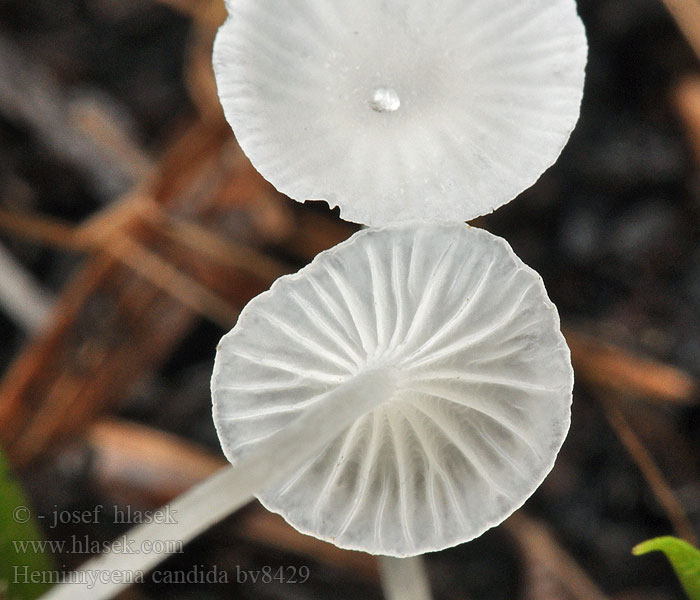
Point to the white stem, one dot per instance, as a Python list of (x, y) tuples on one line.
[(404, 578), (104, 576), (190, 514)]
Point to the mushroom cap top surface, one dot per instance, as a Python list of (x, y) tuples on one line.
[(396, 110), (480, 396)]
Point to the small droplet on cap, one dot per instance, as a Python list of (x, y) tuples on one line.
[(385, 100)]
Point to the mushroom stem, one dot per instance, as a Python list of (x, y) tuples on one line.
[(404, 578), (229, 489), (193, 512)]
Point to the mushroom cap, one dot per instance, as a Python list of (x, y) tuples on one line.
[(480, 405), (399, 110)]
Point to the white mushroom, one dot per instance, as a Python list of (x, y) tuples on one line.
[(404, 392), (399, 110), (474, 398)]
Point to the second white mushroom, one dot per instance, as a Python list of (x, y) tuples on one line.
[(458, 387)]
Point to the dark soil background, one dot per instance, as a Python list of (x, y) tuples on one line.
[(613, 228)]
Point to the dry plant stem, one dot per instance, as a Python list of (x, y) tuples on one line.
[(404, 578), (232, 487), (132, 253), (613, 368), (539, 545), (180, 286), (687, 16), (58, 234), (686, 98), (43, 230), (209, 14), (135, 464), (651, 472)]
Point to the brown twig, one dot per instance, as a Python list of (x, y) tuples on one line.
[(112, 325), (686, 13), (114, 220), (144, 465), (540, 546), (613, 368), (18, 388), (94, 234), (208, 13), (51, 232), (686, 98), (106, 232), (199, 75), (651, 472), (179, 285), (225, 251)]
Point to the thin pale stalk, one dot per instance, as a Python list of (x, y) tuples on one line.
[(229, 489), (404, 578)]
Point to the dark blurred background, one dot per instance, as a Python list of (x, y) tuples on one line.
[(133, 230)]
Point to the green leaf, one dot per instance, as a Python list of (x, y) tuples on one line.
[(684, 558), (17, 525)]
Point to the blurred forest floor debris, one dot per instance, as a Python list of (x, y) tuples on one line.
[(133, 230)]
